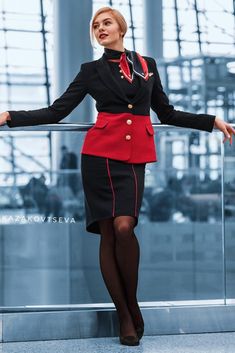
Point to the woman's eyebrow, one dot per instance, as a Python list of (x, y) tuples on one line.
[(108, 18)]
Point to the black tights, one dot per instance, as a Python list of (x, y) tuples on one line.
[(119, 262)]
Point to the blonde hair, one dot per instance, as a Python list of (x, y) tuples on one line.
[(117, 16)]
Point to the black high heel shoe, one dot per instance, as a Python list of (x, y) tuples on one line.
[(129, 340)]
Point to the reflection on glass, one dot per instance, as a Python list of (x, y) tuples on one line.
[(49, 258)]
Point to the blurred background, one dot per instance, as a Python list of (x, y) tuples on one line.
[(186, 228)]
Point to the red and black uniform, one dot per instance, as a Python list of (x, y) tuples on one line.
[(121, 142), (111, 186)]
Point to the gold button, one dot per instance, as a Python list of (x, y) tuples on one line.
[(128, 137), (130, 106), (129, 121)]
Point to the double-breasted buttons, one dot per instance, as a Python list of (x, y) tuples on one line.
[(129, 121), (130, 106), (128, 137), (122, 76)]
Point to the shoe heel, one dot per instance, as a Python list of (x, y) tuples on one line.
[(140, 332), (129, 340)]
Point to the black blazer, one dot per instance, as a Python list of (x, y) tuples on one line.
[(95, 78)]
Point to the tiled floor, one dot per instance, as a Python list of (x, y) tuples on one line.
[(183, 343)]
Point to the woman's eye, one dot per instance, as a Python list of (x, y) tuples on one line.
[(96, 26)]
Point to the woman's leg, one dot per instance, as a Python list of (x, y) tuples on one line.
[(127, 254), (112, 279)]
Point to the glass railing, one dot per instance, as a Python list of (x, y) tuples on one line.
[(186, 228), (48, 196)]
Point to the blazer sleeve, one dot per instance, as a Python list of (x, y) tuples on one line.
[(168, 115), (58, 110)]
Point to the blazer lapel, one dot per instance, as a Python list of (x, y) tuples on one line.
[(109, 81)]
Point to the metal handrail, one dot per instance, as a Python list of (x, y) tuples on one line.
[(82, 127)]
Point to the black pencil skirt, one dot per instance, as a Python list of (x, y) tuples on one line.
[(111, 188)]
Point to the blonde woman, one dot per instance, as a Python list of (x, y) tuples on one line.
[(116, 149)]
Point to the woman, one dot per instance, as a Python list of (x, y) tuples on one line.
[(115, 151)]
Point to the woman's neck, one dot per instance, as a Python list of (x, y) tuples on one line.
[(117, 48)]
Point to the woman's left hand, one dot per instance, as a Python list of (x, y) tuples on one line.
[(226, 128)]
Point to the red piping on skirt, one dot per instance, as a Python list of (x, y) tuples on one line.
[(110, 179), (136, 193)]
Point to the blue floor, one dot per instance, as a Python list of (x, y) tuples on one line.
[(183, 343)]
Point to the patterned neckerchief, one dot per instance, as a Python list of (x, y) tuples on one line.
[(138, 63)]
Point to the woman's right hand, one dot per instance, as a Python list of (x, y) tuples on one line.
[(4, 117)]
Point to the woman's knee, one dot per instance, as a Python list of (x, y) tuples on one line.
[(123, 227)]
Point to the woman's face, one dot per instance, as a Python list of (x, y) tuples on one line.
[(106, 30)]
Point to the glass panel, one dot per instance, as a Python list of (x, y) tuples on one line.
[(49, 258), (229, 219), (42, 230), (181, 239)]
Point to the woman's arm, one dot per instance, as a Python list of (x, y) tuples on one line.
[(57, 111), (168, 115)]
